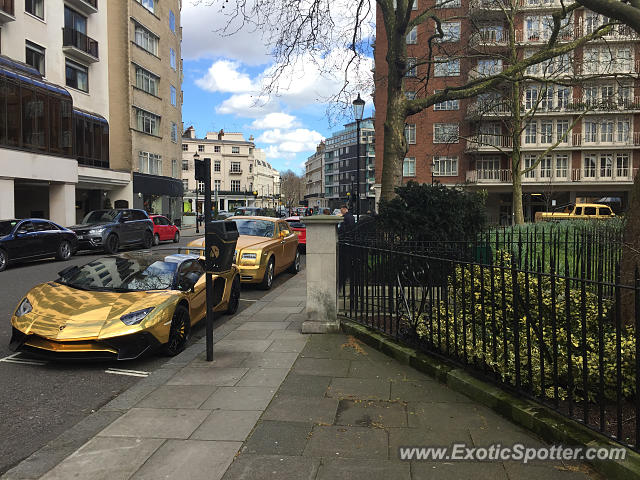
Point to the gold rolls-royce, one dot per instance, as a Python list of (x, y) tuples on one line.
[(120, 306), (266, 247)]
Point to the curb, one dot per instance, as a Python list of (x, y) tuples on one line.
[(543, 421)]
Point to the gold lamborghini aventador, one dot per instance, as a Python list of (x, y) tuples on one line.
[(266, 246), (120, 306)]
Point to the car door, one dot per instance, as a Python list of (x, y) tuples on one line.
[(165, 229), (26, 242), (124, 227), (142, 223), (290, 244), (47, 237), (197, 298)]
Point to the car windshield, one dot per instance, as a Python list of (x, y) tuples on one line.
[(122, 274), (6, 227), (256, 228), (100, 216)]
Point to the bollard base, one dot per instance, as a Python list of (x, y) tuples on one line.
[(320, 327)]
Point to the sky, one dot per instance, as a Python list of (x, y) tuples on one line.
[(223, 79)]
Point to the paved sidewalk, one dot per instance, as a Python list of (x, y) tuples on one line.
[(276, 404)]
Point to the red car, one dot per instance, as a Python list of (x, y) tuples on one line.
[(301, 229), (163, 229)]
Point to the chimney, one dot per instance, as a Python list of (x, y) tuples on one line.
[(190, 133), (221, 134)]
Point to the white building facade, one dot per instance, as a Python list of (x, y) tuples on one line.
[(314, 179), (54, 112)]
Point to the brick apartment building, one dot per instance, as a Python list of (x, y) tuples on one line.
[(452, 143)]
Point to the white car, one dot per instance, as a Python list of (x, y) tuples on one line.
[(336, 212)]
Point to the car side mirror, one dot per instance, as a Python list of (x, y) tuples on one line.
[(284, 233), (188, 281)]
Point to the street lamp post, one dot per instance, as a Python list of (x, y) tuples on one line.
[(358, 110), (196, 157)]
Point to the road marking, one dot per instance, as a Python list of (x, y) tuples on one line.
[(131, 373), (248, 300), (13, 359)]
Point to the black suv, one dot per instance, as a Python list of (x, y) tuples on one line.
[(110, 229)]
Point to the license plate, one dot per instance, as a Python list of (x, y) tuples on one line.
[(80, 237)]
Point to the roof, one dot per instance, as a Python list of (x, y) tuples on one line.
[(271, 219)]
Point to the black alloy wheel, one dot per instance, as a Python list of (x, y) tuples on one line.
[(4, 260), (179, 331), (176, 237), (234, 296), (156, 239), (111, 243), (64, 250), (295, 266), (267, 280), (147, 241)]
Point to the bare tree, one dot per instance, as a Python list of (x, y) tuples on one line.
[(291, 188), (311, 31)]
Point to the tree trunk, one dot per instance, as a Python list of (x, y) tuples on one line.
[(395, 149), (631, 253), (518, 216)]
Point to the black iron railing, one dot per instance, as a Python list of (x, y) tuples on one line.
[(548, 318), (73, 38)]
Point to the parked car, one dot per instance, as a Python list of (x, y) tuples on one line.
[(33, 238), (164, 229), (301, 229), (336, 211), (582, 211), (266, 247), (112, 229), (255, 212), (148, 301)]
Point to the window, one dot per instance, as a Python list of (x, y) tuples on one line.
[(235, 185), (250, 169), (147, 122), (446, 67), (410, 95), (451, 31), (412, 36), (200, 148), (448, 3), (590, 165), (216, 185), (546, 163), (34, 56), (185, 147), (172, 21), (623, 131), (235, 149), (412, 69), (546, 99), (147, 81), (200, 187), (606, 131), (185, 184), (216, 148), (409, 167), (445, 133), (35, 7), (590, 131), (217, 166), (562, 165), (146, 40), (529, 162), (74, 21), (148, 4), (546, 131), (174, 132), (622, 164), (77, 76), (172, 58), (150, 163), (489, 66), (174, 95), (445, 166), (447, 105), (235, 167), (562, 96), (562, 126), (606, 164), (410, 133), (185, 165), (531, 97), (174, 169), (491, 33), (530, 132)]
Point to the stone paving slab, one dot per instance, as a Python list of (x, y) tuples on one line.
[(177, 396), (287, 345), (242, 345), (264, 326), (221, 377), (270, 467), (271, 360), (305, 385), (106, 459), (221, 359), (248, 335), (263, 377), (278, 438), (425, 391), (361, 388), (371, 413), (302, 409), (321, 366), (156, 423), (369, 469), (240, 398), (189, 459), (347, 442), (458, 471), (231, 425)]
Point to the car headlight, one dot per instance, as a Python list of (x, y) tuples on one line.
[(24, 308), (249, 256), (134, 318), (96, 231)]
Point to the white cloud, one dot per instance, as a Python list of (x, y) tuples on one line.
[(292, 141), (275, 120), (224, 76), (246, 105)]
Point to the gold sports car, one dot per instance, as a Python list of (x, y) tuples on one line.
[(120, 306), (266, 246)]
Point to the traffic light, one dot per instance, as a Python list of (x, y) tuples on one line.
[(201, 172)]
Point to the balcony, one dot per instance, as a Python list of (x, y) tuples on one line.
[(609, 141), (617, 66), (490, 38), (613, 174), (558, 175), (488, 109), (566, 34), (495, 6), (620, 33), (78, 45), (87, 7), (7, 12), (539, 4), (488, 143), (235, 171)]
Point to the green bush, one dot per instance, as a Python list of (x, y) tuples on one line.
[(482, 313)]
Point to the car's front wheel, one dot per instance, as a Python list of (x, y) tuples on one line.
[(111, 243), (234, 296), (295, 266), (176, 237), (64, 250), (4, 260), (147, 240), (269, 272), (179, 331), (156, 239)]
